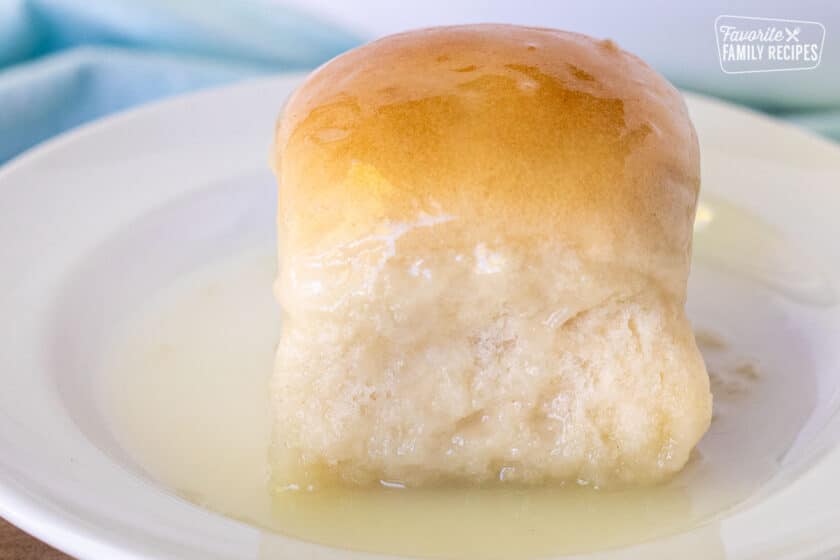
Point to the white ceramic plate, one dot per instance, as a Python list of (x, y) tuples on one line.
[(92, 219)]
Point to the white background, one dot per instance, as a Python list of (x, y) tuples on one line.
[(677, 38)]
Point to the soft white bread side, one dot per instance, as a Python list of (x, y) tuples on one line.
[(485, 237)]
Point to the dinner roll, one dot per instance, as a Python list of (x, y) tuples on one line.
[(484, 241)]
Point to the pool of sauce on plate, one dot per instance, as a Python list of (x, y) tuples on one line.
[(742, 243), (185, 390)]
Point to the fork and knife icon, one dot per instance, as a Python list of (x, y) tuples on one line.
[(792, 34)]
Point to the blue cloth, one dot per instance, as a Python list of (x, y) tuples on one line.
[(65, 62)]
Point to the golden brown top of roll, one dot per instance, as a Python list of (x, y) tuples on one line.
[(514, 134)]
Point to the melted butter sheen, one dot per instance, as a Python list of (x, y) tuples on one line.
[(186, 394), (449, 147), (575, 139), (742, 243), (513, 140)]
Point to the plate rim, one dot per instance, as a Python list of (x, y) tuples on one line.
[(27, 509)]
